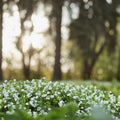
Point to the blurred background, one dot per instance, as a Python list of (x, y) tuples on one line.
[(60, 39)]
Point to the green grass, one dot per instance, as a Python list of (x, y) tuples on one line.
[(113, 86)]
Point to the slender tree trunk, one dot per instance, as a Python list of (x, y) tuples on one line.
[(26, 68), (118, 69), (57, 74), (26, 72), (1, 21), (88, 64), (87, 70)]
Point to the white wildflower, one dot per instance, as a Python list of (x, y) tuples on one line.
[(61, 103), (34, 114), (52, 96), (75, 97), (44, 95), (10, 112)]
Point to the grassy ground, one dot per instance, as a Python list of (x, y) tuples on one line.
[(113, 86)]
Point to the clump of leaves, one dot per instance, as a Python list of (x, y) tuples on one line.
[(67, 112)]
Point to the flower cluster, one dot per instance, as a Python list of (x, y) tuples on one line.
[(38, 97)]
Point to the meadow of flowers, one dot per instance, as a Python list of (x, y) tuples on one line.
[(37, 97)]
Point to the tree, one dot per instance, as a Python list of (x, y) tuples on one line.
[(55, 17), (1, 22), (26, 58), (26, 9), (118, 69), (57, 8), (93, 31)]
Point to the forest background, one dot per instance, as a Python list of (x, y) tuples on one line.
[(60, 39)]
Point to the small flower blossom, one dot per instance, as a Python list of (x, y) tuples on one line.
[(10, 112), (44, 95), (61, 103)]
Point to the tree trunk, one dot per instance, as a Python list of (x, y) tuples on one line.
[(88, 64), (118, 70), (1, 22), (26, 68), (57, 74), (26, 72), (87, 70)]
